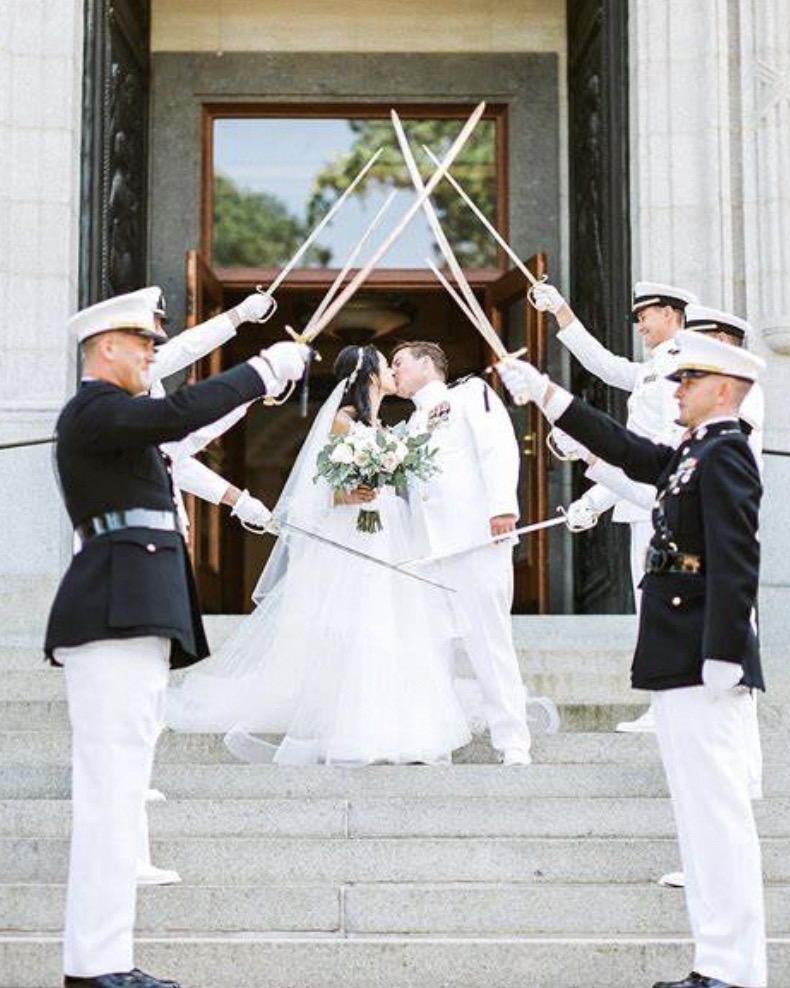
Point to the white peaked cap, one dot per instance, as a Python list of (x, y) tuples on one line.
[(653, 293), (132, 311), (703, 319), (154, 296), (697, 351)]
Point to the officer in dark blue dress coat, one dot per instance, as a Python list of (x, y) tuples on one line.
[(126, 608), (697, 647)]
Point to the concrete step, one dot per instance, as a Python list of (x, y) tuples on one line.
[(449, 910), (266, 860), (25, 715), (54, 747), (270, 961), (211, 861), (360, 817), (223, 782), (586, 683)]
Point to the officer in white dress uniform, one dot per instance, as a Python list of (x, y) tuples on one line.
[(474, 496), (697, 649), (658, 311), (126, 608), (180, 352)]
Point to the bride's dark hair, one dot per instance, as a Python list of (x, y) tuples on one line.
[(359, 364)]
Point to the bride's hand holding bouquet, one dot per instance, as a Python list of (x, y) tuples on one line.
[(361, 461)]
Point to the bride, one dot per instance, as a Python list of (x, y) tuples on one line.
[(350, 663)]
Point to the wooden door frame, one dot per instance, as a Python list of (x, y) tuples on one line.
[(510, 288)]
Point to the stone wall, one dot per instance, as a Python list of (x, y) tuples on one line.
[(40, 107)]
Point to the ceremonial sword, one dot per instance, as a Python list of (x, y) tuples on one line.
[(473, 307), (493, 231), (351, 288), (317, 230), (341, 547), (469, 305), (516, 533)]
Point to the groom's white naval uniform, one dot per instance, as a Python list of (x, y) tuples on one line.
[(479, 459)]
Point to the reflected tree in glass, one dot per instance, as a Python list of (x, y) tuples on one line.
[(256, 229), (475, 169)]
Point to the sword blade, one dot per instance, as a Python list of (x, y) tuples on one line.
[(452, 292), (341, 547), (486, 222), (516, 533), (317, 230), (481, 320), (407, 217), (343, 273)]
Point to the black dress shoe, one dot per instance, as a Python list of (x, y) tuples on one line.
[(149, 981), (694, 980), (122, 979)]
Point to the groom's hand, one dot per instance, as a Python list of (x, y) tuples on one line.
[(502, 524)]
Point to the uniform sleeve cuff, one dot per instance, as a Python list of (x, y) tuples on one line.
[(558, 404)]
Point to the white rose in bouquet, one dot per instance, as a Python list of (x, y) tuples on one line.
[(390, 461), (362, 457), (342, 453)]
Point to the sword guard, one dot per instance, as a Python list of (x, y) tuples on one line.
[(305, 341), (531, 291), (508, 356), (270, 400), (272, 308), (557, 452)]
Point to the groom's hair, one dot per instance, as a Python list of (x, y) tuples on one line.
[(424, 348)]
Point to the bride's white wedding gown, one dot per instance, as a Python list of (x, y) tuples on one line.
[(349, 662)]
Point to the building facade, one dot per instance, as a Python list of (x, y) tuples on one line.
[(638, 140)]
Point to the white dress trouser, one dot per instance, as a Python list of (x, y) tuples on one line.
[(707, 767), (484, 596), (116, 692)]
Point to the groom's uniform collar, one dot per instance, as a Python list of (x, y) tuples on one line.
[(430, 394)]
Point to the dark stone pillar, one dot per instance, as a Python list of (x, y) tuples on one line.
[(600, 255), (114, 148)]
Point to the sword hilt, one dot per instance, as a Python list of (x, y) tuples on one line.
[(531, 290), (513, 356), (508, 356), (305, 340)]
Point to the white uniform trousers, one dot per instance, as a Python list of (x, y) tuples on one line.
[(116, 693), (707, 767), (483, 598)]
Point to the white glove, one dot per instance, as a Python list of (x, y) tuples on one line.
[(720, 677), (254, 308), (251, 511), (566, 447), (547, 298), (523, 381), (580, 516), (287, 360)]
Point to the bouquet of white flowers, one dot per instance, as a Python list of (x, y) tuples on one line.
[(374, 456)]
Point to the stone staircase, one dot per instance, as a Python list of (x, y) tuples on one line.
[(390, 877)]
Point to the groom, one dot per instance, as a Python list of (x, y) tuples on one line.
[(472, 498)]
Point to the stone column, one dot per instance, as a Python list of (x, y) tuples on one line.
[(765, 85), (680, 146), (40, 112)]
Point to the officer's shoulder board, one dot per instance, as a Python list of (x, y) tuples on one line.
[(469, 379)]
